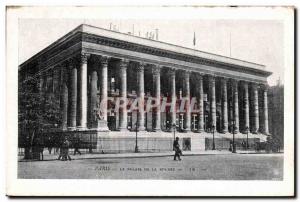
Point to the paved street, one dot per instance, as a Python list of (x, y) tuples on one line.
[(217, 167)]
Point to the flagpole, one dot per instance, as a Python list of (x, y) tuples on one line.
[(230, 42), (194, 42)]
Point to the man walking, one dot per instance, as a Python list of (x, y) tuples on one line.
[(76, 146), (177, 149)]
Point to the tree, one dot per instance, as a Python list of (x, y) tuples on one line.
[(38, 112)]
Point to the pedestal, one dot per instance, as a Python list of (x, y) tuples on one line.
[(101, 125)]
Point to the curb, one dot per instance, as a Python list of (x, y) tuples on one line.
[(146, 156)]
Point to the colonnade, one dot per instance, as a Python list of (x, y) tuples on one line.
[(75, 100)]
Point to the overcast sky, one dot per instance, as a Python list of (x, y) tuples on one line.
[(258, 41)]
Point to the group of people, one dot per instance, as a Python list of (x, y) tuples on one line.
[(64, 150)]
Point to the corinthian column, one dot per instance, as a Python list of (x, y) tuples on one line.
[(104, 77), (141, 91), (123, 117), (201, 104), (236, 105), (187, 95), (93, 98), (224, 105), (173, 94), (246, 102), (83, 92), (212, 87), (156, 74), (64, 99), (73, 95), (266, 118), (256, 112)]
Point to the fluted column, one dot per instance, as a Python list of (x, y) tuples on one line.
[(236, 106), (212, 87), (266, 118), (187, 95), (224, 105), (156, 74), (123, 117), (201, 104), (141, 91), (173, 94), (73, 96), (93, 98), (256, 110), (104, 87), (64, 100), (246, 105), (83, 92)]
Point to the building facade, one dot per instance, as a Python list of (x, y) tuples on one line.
[(91, 70)]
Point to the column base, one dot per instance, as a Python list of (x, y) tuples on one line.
[(236, 131), (81, 128), (224, 131), (64, 128), (142, 129), (157, 129), (71, 128), (123, 129)]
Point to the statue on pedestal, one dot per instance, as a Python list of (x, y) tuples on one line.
[(99, 118)]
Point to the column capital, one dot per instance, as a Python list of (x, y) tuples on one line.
[(255, 85), (223, 78), (141, 67), (156, 70), (187, 73), (211, 78), (171, 72), (264, 86), (124, 63), (71, 62), (245, 84), (104, 60), (84, 58)]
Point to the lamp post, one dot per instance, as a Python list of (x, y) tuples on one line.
[(136, 150), (174, 129), (213, 131), (247, 143), (233, 132)]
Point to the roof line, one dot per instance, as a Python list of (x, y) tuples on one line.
[(174, 45), (79, 28)]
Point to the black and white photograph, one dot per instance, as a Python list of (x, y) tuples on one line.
[(151, 96)]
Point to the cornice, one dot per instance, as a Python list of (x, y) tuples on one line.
[(101, 40)]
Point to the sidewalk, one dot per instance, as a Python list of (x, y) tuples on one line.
[(52, 157)]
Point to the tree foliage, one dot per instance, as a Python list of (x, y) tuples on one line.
[(38, 112)]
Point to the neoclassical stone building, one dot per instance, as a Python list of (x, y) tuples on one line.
[(90, 65)]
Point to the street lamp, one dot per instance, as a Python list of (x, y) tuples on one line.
[(213, 131), (136, 150), (247, 143), (174, 129), (233, 132)]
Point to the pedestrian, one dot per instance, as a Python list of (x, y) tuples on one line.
[(177, 149), (65, 150), (77, 145), (244, 145), (59, 143)]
